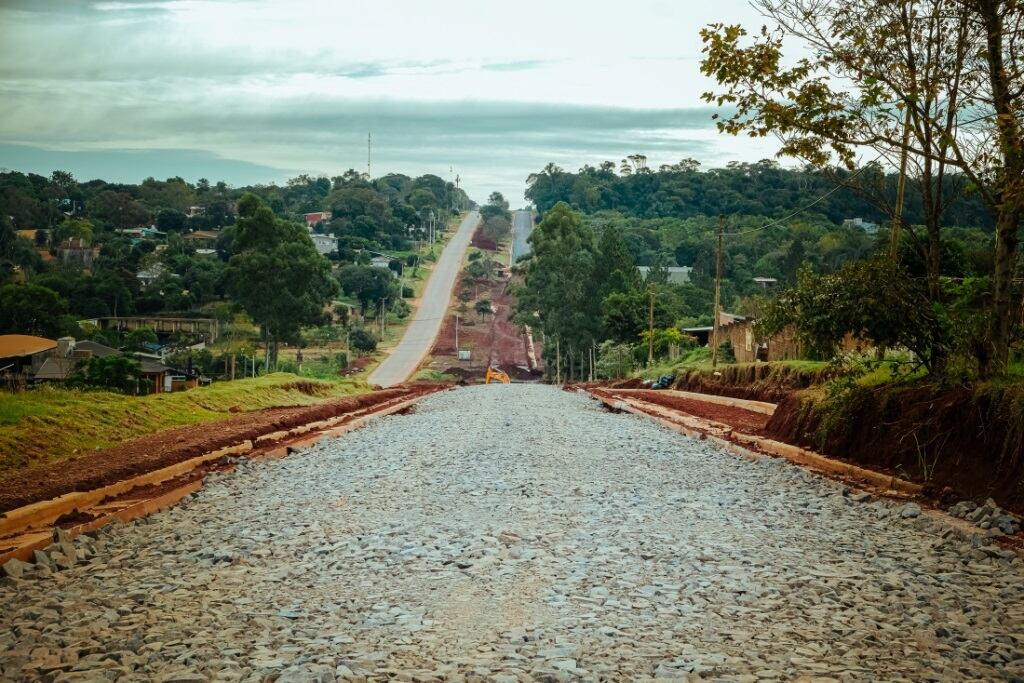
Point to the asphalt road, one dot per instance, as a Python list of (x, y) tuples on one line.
[(426, 322), (522, 226)]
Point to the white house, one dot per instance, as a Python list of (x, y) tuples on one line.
[(867, 226), (677, 274), (325, 244)]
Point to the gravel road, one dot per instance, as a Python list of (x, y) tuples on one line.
[(513, 533)]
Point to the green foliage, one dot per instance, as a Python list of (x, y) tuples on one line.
[(560, 287), (114, 373), (363, 341), (30, 309), (483, 307), (614, 361), (277, 276), (136, 340), (370, 285), (871, 300)]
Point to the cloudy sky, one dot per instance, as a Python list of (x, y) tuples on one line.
[(261, 90)]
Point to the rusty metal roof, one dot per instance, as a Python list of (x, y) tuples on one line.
[(15, 345)]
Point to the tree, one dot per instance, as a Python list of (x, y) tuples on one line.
[(114, 372), (940, 82), (363, 341), (559, 288), (137, 339), (370, 285), (483, 308), (30, 309), (496, 207), (277, 275), (171, 220), (497, 228), (872, 300)]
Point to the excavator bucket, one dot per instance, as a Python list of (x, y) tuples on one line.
[(495, 375)]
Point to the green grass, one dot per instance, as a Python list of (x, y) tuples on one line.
[(52, 424), (700, 359), (430, 375)]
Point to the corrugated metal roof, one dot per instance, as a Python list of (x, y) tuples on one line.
[(56, 369), (15, 345)]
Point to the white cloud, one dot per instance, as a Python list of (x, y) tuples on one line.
[(498, 89)]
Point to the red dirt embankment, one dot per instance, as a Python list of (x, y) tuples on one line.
[(740, 419), (494, 340), (958, 442), (162, 449)]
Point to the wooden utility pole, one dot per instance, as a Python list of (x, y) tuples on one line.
[(718, 293), (650, 326), (558, 361), (901, 183)]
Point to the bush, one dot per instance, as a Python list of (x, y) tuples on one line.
[(407, 292), (363, 341), (115, 373)]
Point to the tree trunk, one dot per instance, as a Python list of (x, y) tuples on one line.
[(1009, 183), (1002, 293)]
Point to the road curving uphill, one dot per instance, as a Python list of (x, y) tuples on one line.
[(516, 533)]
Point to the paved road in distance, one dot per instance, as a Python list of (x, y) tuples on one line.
[(426, 322)]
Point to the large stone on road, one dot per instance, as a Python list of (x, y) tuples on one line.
[(517, 533)]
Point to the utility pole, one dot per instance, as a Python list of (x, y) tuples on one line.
[(650, 326), (897, 218), (456, 335), (369, 155), (718, 293), (558, 361)]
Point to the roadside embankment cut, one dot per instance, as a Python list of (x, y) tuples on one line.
[(56, 424), (152, 452), (959, 443)]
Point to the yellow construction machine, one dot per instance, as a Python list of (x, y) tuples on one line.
[(495, 375)]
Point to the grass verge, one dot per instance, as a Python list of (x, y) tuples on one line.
[(52, 424)]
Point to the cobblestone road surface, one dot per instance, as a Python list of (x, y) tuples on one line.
[(514, 533)]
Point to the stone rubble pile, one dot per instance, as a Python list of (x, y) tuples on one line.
[(987, 516), (518, 533)]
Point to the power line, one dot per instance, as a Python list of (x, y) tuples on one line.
[(805, 207)]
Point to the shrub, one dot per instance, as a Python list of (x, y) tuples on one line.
[(363, 341)]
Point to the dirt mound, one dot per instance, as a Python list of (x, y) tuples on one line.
[(155, 451), (960, 443), (757, 382)]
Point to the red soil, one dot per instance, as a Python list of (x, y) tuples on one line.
[(494, 340), (740, 419)]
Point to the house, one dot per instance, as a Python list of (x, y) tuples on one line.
[(194, 211), (202, 238), (676, 274), (77, 251), (315, 218), (147, 276), (206, 252), (703, 333), (34, 236), (69, 354), (144, 233), (382, 262), (766, 282), (21, 356), (861, 224), (325, 244)]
